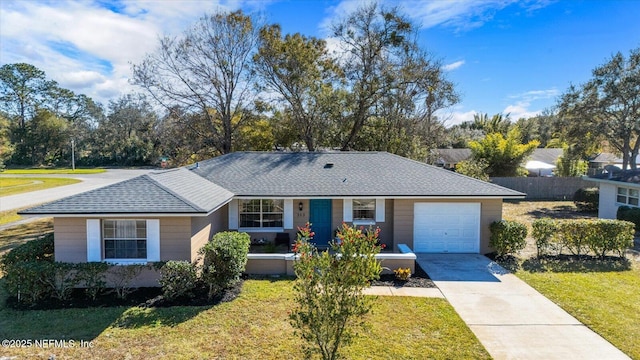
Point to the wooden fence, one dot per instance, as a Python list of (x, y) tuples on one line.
[(545, 188)]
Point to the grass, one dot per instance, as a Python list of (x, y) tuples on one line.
[(602, 294), (38, 171), (20, 234), (254, 326), (13, 186), (9, 216)]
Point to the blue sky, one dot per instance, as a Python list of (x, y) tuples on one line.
[(505, 56)]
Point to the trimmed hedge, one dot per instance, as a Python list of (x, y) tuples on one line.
[(34, 250), (582, 236), (587, 199), (178, 278), (631, 214), (32, 276), (507, 237), (223, 260)]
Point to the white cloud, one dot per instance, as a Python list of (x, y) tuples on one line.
[(461, 15), (523, 103), (456, 117), (90, 49), (520, 110), (453, 66)]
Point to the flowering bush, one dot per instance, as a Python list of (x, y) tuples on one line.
[(402, 274), (328, 288)]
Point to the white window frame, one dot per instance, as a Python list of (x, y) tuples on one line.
[(287, 204), (126, 260), (347, 212), (624, 194), (363, 221)]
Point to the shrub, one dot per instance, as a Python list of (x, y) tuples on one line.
[(402, 274), (583, 236), (25, 281), (328, 288), (34, 250), (178, 278), (587, 199), (122, 276), (25, 269), (631, 214), (91, 276), (543, 232), (224, 259), (60, 278), (507, 237)]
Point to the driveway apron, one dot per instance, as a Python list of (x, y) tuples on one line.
[(510, 318)]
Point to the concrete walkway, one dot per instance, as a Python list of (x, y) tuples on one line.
[(403, 291), (511, 319)]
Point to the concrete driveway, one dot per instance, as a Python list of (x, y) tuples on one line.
[(89, 182), (509, 317)]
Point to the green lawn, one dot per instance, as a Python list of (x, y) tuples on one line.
[(603, 295), (254, 326), (20, 234), (13, 186), (38, 171)]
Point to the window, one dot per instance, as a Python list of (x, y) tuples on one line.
[(628, 196), (261, 213), (125, 239), (364, 210)]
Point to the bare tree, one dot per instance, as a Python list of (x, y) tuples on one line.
[(609, 105), (206, 72)]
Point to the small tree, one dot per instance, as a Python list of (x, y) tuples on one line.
[(504, 155), (224, 259), (328, 290)]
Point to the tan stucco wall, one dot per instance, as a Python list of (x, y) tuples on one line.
[(386, 227), (491, 210), (175, 234), (70, 239), (203, 229)]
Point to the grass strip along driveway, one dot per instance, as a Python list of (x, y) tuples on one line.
[(253, 326), (602, 294), (13, 186)]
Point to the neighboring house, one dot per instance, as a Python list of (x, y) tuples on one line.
[(541, 163), (603, 160), (171, 214), (619, 189)]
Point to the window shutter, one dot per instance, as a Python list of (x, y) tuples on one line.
[(94, 243), (379, 210), (233, 214), (347, 210), (153, 240), (288, 213)]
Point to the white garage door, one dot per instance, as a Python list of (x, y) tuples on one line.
[(446, 227)]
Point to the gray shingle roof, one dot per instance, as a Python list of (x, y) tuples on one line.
[(173, 191), (352, 174), (214, 182)]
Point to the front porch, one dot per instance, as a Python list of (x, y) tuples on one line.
[(281, 263)]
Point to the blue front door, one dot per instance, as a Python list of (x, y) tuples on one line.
[(320, 219)]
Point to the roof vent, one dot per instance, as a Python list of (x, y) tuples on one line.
[(328, 165)]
